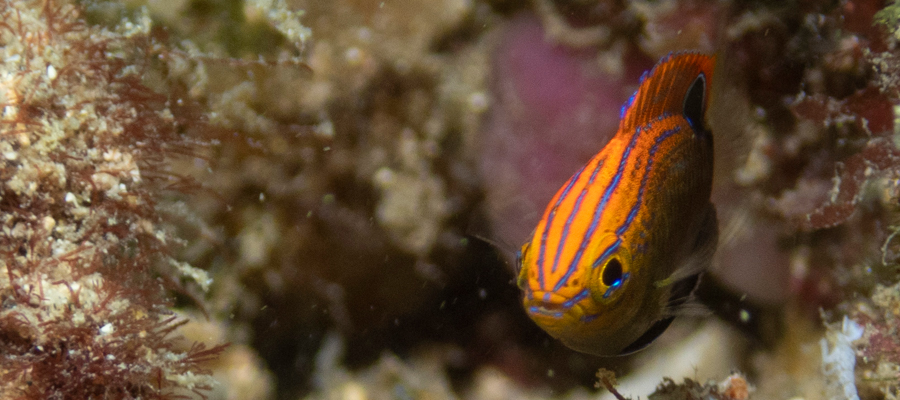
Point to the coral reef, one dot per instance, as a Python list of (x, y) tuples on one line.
[(85, 256), (312, 175), (734, 387), (344, 192)]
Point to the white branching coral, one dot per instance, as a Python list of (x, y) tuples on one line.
[(83, 150)]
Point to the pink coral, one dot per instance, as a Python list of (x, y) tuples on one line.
[(554, 108)]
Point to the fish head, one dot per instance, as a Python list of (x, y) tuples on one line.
[(596, 308)]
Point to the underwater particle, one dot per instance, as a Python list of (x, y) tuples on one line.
[(839, 359)]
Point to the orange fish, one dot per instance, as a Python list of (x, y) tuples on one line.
[(623, 242)]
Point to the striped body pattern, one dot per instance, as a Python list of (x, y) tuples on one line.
[(622, 243)]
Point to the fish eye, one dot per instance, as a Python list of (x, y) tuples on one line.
[(612, 273), (694, 103), (610, 270)]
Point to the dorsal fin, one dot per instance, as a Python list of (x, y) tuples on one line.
[(669, 88)]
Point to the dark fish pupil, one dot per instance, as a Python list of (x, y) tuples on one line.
[(693, 103), (612, 274)]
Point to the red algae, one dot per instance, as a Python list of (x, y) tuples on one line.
[(86, 256), (359, 145)]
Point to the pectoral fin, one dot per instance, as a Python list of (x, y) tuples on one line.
[(701, 253), (649, 336)]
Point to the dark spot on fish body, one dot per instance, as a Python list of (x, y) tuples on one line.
[(695, 104)]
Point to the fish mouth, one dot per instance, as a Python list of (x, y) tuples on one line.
[(544, 305), (547, 310), (550, 309)]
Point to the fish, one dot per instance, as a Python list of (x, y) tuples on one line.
[(622, 244)]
